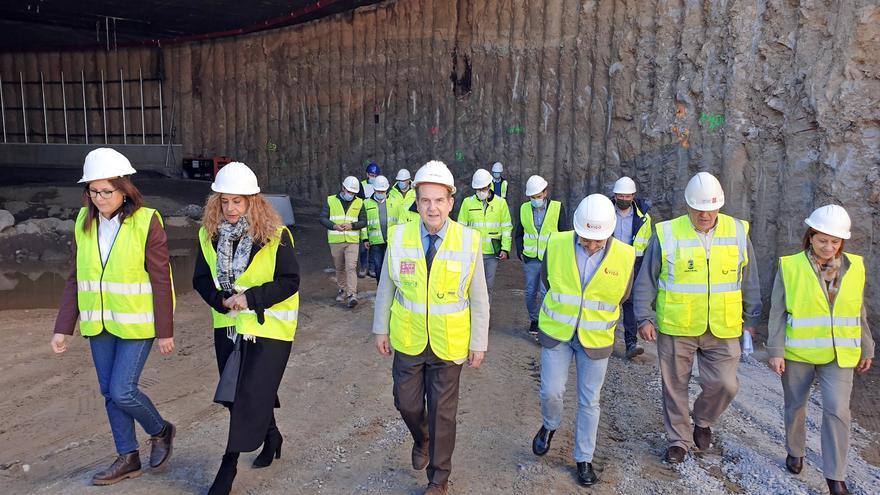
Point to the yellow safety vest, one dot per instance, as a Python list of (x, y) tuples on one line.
[(695, 293), (493, 222), (504, 185), (117, 296), (406, 200), (339, 216), (640, 240), (280, 319), (404, 215), (432, 309), (815, 333), (534, 242), (595, 309), (373, 232)]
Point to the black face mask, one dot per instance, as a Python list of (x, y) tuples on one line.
[(623, 203)]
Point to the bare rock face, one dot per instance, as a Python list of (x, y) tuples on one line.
[(6, 220)]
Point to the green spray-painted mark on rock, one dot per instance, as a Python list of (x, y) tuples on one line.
[(515, 130), (459, 155), (712, 121)]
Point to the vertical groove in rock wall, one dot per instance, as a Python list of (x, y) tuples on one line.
[(780, 99)]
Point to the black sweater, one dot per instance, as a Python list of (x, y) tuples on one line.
[(259, 298)]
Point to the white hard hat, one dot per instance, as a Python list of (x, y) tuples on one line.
[(435, 172), (482, 178), (105, 163), (704, 193), (351, 184), (403, 174), (595, 218), (235, 178), (535, 185), (497, 167), (380, 183), (830, 219), (624, 185)]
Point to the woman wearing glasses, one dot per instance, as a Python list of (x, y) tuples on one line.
[(120, 289), (246, 271)]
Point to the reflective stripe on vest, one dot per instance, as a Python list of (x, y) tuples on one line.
[(643, 236), (117, 296), (339, 217), (432, 308), (281, 319), (493, 222), (535, 244), (815, 333), (696, 294), (595, 309), (374, 222)]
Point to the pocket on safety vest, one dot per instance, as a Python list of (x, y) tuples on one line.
[(678, 310), (733, 308), (451, 281)]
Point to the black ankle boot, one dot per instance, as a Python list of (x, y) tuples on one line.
[(222, 484), (271, 449)]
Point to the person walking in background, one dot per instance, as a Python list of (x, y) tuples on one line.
[(488, 214), (343, 217), (818, 330), (539, 218), (120, 289), (499, 183), (380, 210), (246, 271), (634, 228), (365, 263)]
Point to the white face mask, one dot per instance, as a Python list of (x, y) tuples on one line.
[(370, 180), (379, 196), (402, 185), (537, 203), (482, 195), (347, 196), (497, 175)]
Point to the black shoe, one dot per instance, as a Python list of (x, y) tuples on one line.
[(125, 466), (162, 444), (541, 442), (533, 329), (271, 449), (222, 484), (675, 455), (702, 437), (586, 475), (794, 464), (836, 487), (351, 302), (634, 351)]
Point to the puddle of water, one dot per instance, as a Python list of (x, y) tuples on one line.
[(41, 286)]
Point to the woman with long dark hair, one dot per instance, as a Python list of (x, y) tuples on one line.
[(120, 289), (246, 271)]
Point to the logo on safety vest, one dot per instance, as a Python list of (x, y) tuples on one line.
[(690, 267), (407, 267), (613, 273)]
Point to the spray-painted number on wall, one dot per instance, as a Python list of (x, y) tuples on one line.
[(515, 130), (713, 121)]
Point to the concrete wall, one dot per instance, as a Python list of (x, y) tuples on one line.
[(780, 99)]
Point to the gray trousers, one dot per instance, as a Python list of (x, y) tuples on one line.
[(718, 361), (428, 380), (490, 265), (835, 384)]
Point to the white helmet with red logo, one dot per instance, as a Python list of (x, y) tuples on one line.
[(595, 218), (704, 193)]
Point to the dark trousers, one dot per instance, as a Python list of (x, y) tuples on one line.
[(630, 336), (377, 258), (427, 378)]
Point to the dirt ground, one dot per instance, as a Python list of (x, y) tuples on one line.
[(342, 434)]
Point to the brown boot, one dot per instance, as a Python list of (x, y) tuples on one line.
[(702, 437), (162, 444), (420, 456), (125, 466), (436, 489)]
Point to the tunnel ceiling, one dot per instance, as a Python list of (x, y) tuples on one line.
[(65, 24)]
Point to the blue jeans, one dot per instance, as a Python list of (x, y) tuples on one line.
[(555, 362), (377, 257), (119, 363), (535, 290)]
